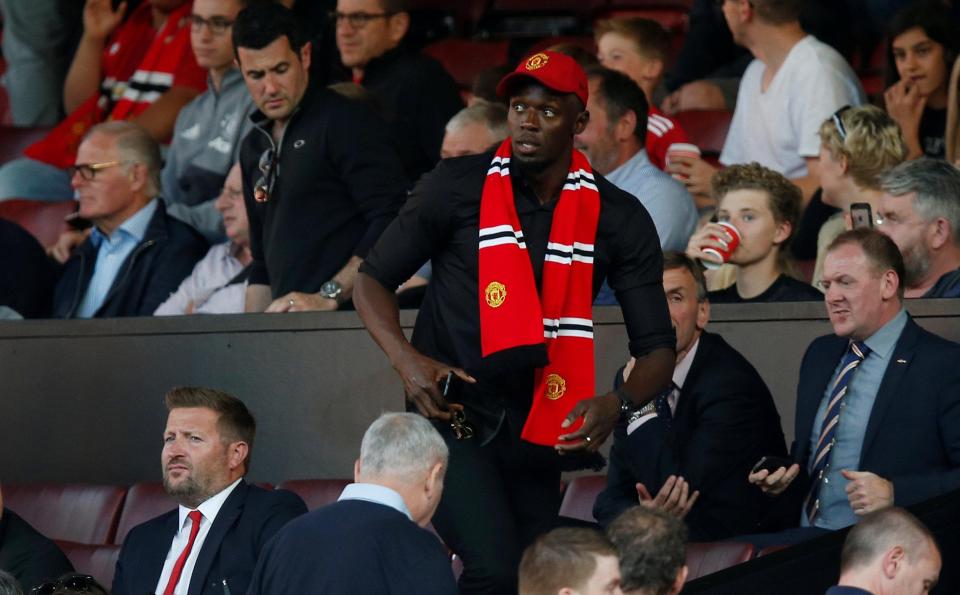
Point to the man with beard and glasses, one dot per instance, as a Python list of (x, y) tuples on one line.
[(520, 239), (211, 543), (920, 211)]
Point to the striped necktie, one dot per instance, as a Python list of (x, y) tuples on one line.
[(855, 354)]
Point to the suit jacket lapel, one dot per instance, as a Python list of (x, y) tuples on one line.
[(890, 386), (226, 518), (807, 404), (155, 553), (704, 350)]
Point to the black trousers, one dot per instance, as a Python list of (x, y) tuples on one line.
[(497, 498)]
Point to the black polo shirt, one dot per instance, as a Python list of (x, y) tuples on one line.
[(339, 182), (784, 289), (440, 222)]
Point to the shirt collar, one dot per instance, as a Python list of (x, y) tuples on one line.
[(134, 227), (210, 507), (230, 78), (883, 341), (379, 494), (682, 369), (629, 167)]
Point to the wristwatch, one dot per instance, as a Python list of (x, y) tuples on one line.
[(331, 290), (626, 405)]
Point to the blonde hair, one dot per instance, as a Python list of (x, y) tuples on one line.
[(651, 39), (874, 143)]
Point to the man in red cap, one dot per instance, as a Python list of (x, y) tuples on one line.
[(502, 354)]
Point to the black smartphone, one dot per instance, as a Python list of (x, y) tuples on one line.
[(771, 464), (75, 221), (861, 214)]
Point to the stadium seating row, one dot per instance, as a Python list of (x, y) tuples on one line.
[(90, 522)]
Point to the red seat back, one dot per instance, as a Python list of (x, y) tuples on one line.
[(464, 59), (44, 220), (145, 501), (707, 558), (99, 561), (13, 140), (316, 492), (69, 512), (706, 128), (580, 495)]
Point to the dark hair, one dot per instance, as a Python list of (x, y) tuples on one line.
[(261, 23), (564, 557), (619, 94), (880, 250), (485, 84), (235, 422), (935, 20), (778, 12), (678, 260), (881, 530), (652, 546), (393, 6)]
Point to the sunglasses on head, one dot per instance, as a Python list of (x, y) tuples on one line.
[(264, 185), (838, 122)]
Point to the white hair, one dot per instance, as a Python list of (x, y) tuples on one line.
[(493, 116), (403, 446)]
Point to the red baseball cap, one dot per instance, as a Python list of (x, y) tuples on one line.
[(558, 72)]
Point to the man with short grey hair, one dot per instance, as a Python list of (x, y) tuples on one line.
[(474, 130), (920, 211), (136, 255), (373, 539), (889, 551)]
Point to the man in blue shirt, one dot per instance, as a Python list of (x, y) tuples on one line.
[(889, 551), (135, 255), (878, 403)]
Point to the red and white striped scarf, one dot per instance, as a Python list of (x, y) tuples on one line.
[(513, 315)]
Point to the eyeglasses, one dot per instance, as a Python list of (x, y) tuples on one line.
[(358, 20), (88, 171), (838, 122), (78, 583), (217, 25), (264, 185)]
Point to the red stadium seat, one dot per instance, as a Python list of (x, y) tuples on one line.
[(586, 43), (316, 492), (69, 512), (13, 140), (707, 558), (706, 128), (464, 59), (580, 495), (44, 220), (99, 561), (145, 500)]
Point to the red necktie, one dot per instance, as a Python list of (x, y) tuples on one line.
[(195, 517)]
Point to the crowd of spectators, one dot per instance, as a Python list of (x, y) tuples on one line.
[(231, 156)]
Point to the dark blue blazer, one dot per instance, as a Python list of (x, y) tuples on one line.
[(250, 516), (725, 422), (354, 547), (913, 433)]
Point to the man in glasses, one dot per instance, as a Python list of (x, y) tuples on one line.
[(321, 179), (502, 356), (25, 553), (207, 135), (136, 254), (418, 94), (134, 65)]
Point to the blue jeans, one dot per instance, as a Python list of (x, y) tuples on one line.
[(34, 180)]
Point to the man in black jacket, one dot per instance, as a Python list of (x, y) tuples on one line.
[(417, 95), (136, 255), (321, 179), (686, 451)]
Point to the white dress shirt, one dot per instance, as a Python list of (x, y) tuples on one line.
[(209, 509), (680, 372)]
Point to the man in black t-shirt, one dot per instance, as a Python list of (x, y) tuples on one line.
[(501, 490)]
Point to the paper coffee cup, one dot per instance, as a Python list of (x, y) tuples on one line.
[(723, 254)]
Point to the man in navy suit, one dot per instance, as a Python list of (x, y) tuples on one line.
[(210, 544), (878, 404), (693, 451), (373, 539)]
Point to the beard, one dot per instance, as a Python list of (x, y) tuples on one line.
[(189, 492), (916, 264)]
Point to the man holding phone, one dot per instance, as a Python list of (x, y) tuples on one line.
[(878, 403), (687, 453)]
